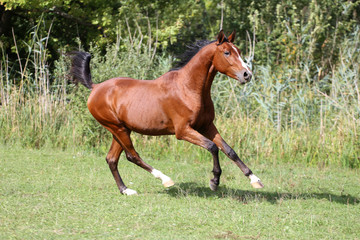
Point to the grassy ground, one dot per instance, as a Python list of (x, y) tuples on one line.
[(47, 194)]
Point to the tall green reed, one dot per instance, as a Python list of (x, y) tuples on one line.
[(32, 101)]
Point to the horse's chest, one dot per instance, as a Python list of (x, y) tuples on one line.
[(203, 116)]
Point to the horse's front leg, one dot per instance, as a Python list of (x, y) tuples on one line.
[(213, 134), (189, 134)]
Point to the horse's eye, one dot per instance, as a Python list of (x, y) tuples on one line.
[(227, 53)]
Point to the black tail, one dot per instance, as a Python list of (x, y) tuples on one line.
[(80, 68)]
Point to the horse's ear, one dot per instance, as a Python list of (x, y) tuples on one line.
[(232, 36), (221, 37)]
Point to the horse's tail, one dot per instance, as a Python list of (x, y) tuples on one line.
[(80, 68)]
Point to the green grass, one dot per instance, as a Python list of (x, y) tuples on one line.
[(52, 194)]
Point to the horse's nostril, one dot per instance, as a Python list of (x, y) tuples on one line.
[(246, 75)]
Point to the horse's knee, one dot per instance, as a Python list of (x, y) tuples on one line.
[(232, 154), (132, 158), (211, 147)]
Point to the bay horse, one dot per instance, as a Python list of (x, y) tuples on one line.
[(178, 102)]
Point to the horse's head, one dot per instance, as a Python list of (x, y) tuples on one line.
[(227, 59)]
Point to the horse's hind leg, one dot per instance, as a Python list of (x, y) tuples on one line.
[(112, 159), (123, 136)]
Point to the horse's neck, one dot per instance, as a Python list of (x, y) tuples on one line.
[(210, 77), (199, 73)]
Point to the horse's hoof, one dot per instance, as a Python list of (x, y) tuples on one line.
[(169, 183), (129, 192), (213, 186), (257, 184), (255, 181)]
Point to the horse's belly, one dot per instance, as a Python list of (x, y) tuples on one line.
[(148, 121)]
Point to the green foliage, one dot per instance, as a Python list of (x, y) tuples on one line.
[(286, 32)]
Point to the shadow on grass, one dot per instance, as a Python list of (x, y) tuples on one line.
[(194, 189)]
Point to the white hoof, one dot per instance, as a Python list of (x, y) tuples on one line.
[(165, 180), (169, 183), (129, 191), (255, 181)]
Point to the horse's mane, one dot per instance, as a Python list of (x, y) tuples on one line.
[(191, 51)]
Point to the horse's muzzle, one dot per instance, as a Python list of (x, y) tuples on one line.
[(244, 76)]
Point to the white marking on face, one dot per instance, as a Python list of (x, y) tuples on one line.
[(241, 61), (160, 175)]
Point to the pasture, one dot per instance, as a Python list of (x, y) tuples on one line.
[(54, 194)]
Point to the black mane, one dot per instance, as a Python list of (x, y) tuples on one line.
[(191, 51)]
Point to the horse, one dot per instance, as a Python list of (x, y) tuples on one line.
[(176, 103)]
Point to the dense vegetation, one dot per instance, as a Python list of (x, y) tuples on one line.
[(302, 106), (285, 32)]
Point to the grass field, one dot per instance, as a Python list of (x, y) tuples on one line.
[(46, 194)]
